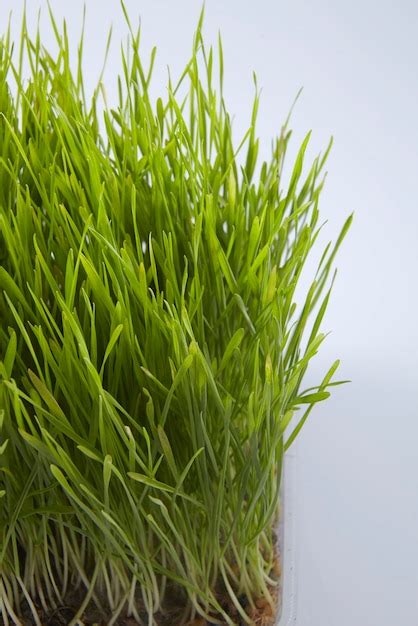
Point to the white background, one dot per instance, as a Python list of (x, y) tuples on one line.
[(357, 496)]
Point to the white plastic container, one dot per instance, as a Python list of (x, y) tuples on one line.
[(287, 612)]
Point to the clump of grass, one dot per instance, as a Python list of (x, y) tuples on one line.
[(152, 355)]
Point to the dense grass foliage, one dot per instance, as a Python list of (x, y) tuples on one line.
[(151, 352)]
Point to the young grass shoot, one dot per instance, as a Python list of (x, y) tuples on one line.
[(152, 353)]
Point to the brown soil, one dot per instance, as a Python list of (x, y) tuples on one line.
[(262, 614)]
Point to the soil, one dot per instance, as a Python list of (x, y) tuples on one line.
[(262, 614)]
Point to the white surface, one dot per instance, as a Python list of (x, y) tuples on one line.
[(358, 462)]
